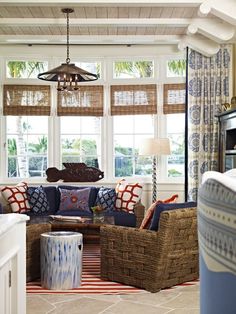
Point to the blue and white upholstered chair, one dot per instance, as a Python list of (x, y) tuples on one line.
[(217, 242)]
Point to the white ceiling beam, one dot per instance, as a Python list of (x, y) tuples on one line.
[(178, 22), (176, 3), (224, 9), (214, 29), (93, 39), (204, 46)]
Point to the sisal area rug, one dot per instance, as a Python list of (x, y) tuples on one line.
[(91, 281)]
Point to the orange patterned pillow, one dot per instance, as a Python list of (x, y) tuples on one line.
[(127, 195), (16, 197), (149, 213)]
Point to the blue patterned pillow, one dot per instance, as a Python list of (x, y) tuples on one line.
[(106, 198), (38, 200)]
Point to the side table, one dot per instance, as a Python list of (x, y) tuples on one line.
[(61, 259)]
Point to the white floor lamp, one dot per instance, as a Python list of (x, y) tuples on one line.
[(154, 147)]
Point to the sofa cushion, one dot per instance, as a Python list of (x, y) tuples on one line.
[(16, 197), (162, 207), (38, 200), (106, 198), (74, 199), (150, 211), (53, 198), (92, 195), (127, 195), (123, 218)]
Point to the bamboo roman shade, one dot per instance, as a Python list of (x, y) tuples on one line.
[(174, 98), (26, 100), (86, 101), (133, 99)]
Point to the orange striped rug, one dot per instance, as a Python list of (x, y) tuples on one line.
[(91, 281)]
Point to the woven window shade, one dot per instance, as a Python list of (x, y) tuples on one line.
[(87, 101), (133, 99), (26, 100), (174, 98)]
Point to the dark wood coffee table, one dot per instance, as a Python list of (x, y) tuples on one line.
[(89, 229)]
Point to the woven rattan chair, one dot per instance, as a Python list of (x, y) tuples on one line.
[(33, 232), (152, 260)]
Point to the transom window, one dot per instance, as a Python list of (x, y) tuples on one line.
[(175, 67), (92, 67), (25, 69), (133, 69)]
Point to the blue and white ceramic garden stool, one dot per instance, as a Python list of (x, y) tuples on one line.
[(61, 259)]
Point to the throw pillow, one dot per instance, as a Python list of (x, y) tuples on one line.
[(38, 200), (16, 197), (162, 207), (127, 195), (149, 213), (106, 198), (74, 199)]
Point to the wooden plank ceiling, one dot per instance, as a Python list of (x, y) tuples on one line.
[(106, 22)]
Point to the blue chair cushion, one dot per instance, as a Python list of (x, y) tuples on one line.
[(122, 218), (162, 207)]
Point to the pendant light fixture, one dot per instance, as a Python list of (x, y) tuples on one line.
[(68, 75)]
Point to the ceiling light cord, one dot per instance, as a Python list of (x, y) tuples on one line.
[(67, 38), (67, 75)]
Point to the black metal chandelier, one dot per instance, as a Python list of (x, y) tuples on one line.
[(68, 75)]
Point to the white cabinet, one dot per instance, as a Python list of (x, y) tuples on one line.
[(13, 263), (5, 278)]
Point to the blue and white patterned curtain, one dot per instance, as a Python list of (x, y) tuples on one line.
[(208, 89)]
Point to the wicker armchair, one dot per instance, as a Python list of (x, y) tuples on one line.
[(33, 232), (152, 260)]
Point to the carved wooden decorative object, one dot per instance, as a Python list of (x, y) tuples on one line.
[(74, 172)]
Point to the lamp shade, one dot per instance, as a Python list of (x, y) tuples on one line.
[(154, 147)]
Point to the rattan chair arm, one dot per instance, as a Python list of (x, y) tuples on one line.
[(139, 211), (127, 235)]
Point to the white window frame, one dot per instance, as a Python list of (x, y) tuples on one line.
[(107, 145)]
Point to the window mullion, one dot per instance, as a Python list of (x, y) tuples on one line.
[(3, 145)]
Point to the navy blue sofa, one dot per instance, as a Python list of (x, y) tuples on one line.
[(53, 196)]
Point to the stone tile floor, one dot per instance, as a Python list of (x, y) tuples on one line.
[(181, 300)]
